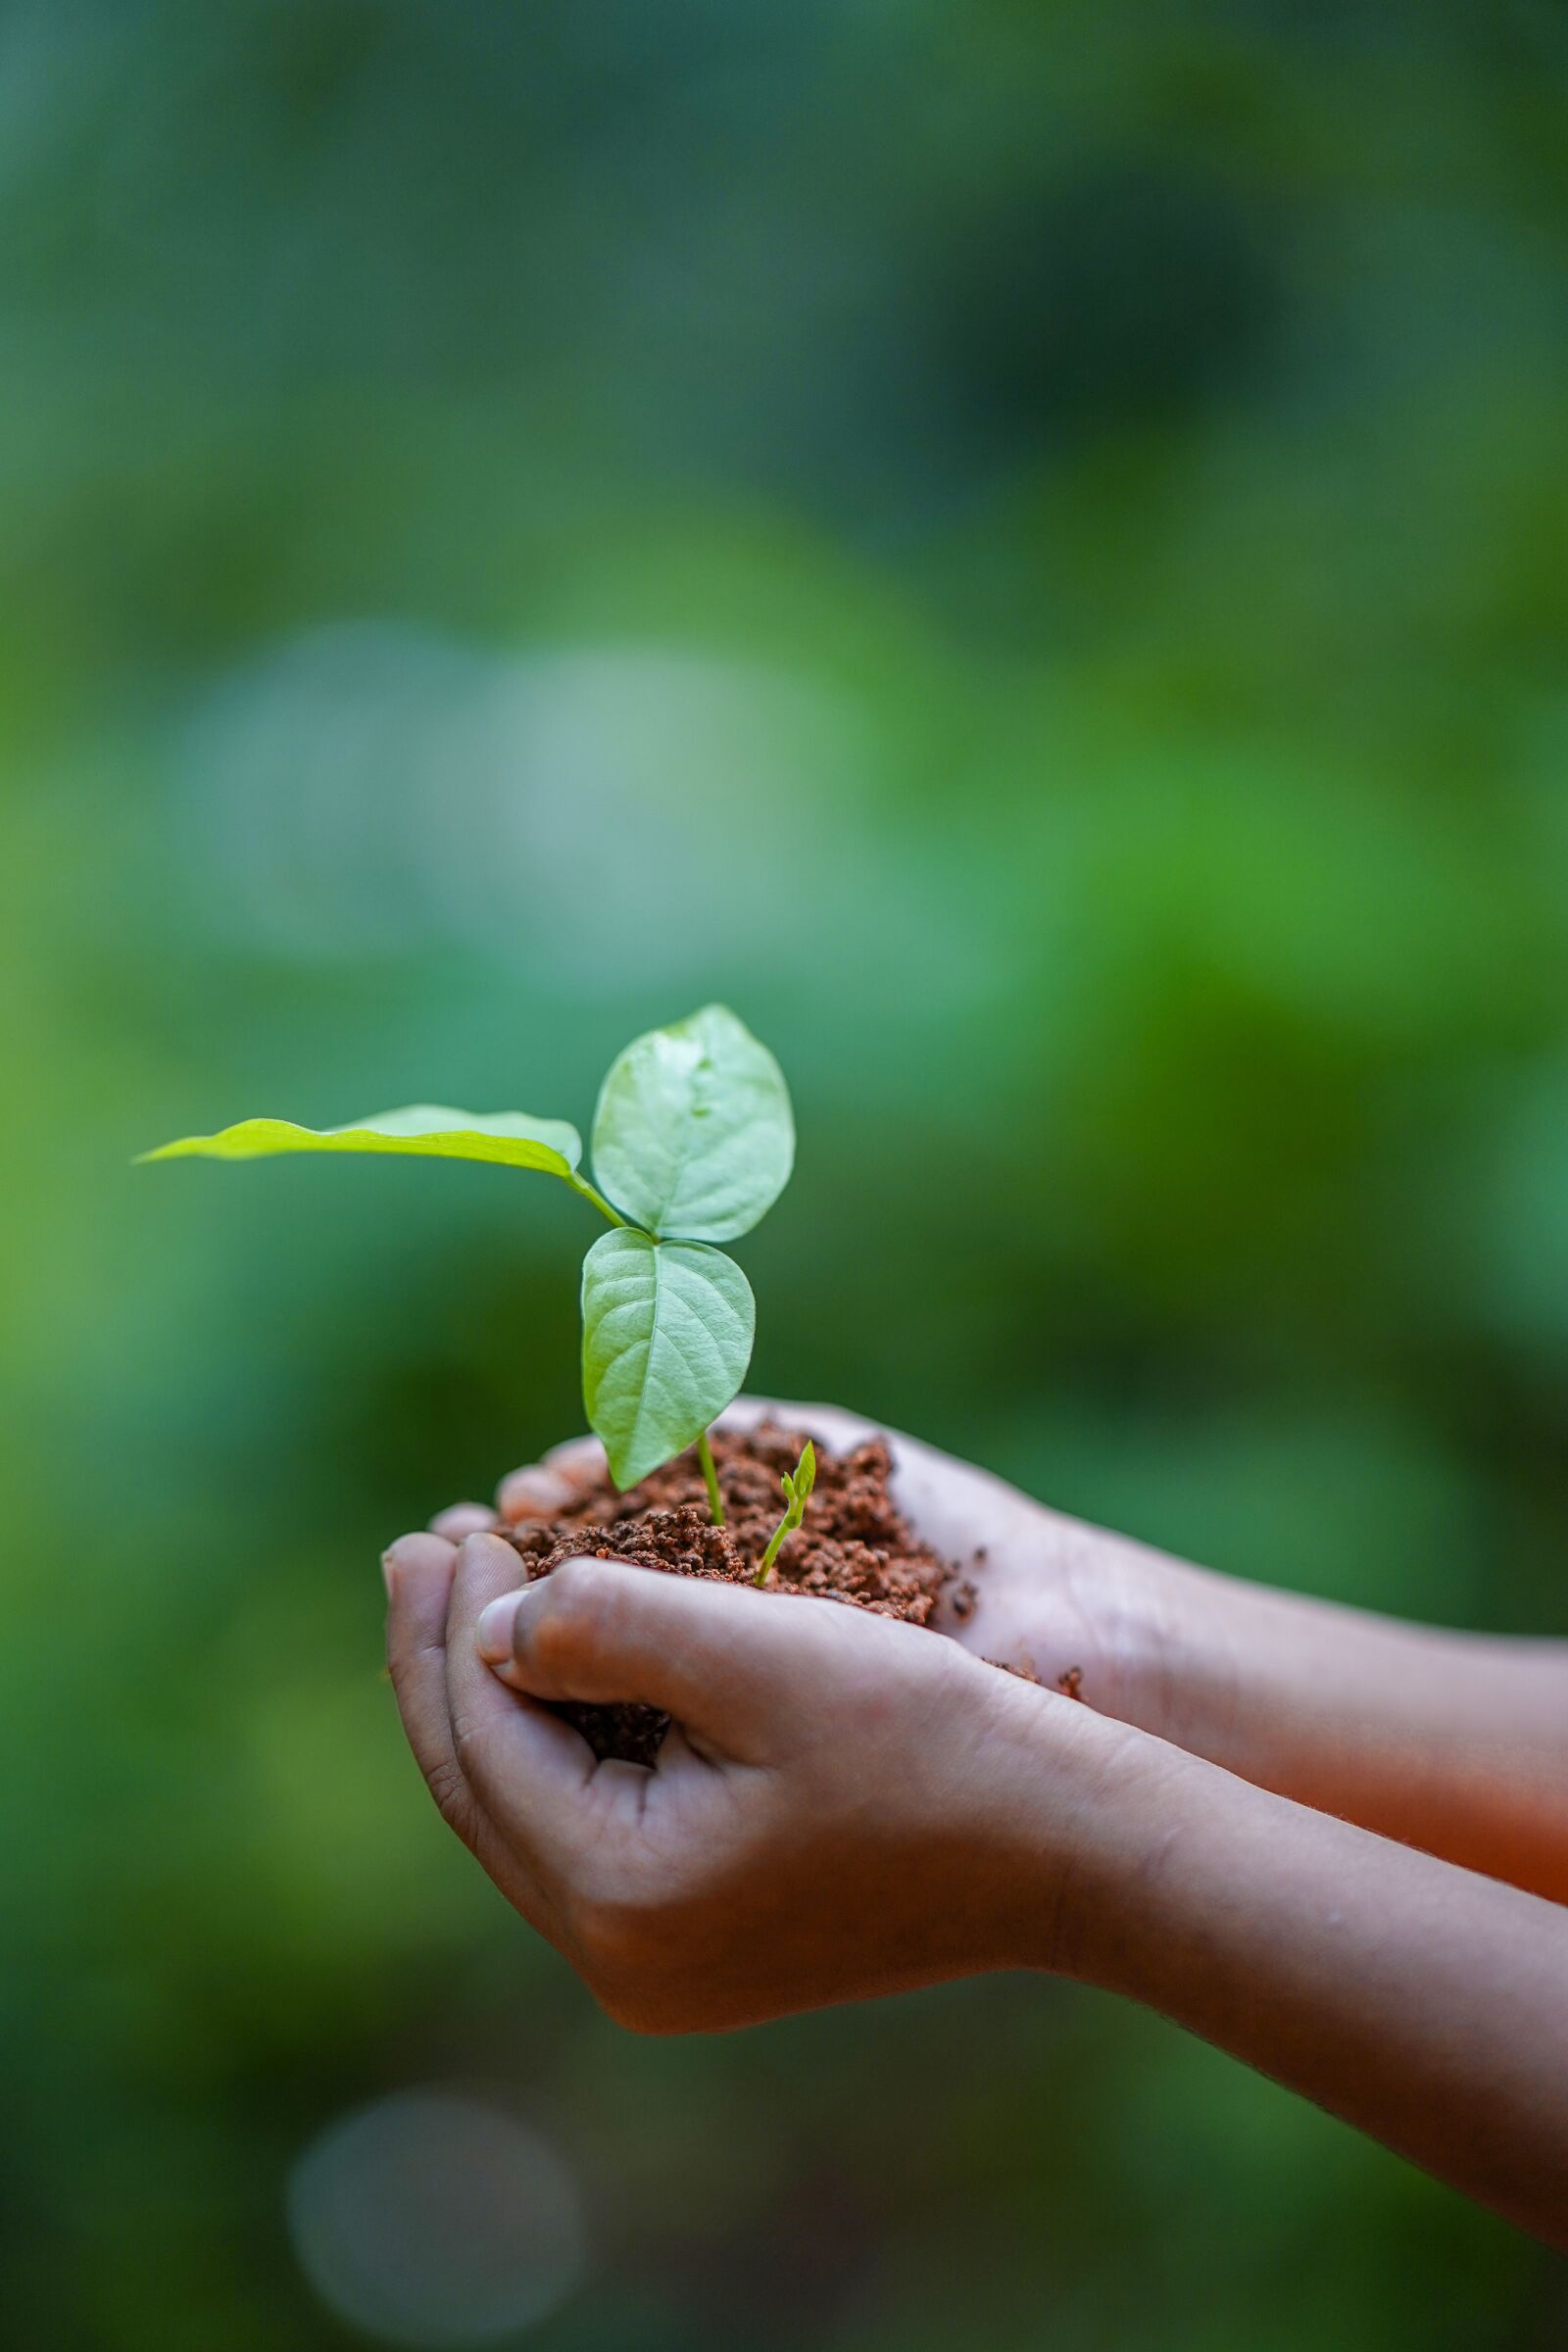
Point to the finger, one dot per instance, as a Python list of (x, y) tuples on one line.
[(541, 1489), (727, 1661), (527, 1767), (580, 1461), (836, 1428), (460, 1519), (944, 1499), (418, 1572), (955, 1505)]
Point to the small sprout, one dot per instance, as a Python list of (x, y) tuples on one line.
[(796, 1494), (693, 1142)]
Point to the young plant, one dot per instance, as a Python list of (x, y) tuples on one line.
[(693, 1142), (796, 1494)]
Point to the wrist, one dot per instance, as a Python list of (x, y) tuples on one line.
[(1167, 1640), (1082, 1811)]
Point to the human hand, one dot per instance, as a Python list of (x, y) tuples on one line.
[(843, 1806), (1448, 1741), (1066, 1603)]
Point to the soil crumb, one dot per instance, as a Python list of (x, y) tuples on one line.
[(856, 1545)]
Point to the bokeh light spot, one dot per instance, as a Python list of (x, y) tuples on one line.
[(433, 2220)]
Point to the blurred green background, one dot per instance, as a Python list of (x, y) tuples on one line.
[(1024, 547)]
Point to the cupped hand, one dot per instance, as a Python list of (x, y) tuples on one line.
[(834, 1811), (843, 1806), (1036, 1590)]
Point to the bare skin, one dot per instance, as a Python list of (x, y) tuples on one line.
[(848, 1808)]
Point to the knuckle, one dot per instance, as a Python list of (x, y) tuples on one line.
[(404, 1666), (573, 1603), (573, 1584)]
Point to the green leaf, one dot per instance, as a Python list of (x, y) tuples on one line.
[(666, 1337), (805, 1480), (507, 1137), (693, 1135)]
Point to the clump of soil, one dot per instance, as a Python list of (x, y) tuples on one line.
[(856, 1545)]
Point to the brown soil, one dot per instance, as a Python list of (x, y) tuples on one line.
[(855, 1545)]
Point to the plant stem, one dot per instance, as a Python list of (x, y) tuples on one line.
[(715, 1501), (589, 1192), (798, 1486), (774, 1542)]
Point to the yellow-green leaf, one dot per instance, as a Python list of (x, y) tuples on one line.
[(505, 1138)]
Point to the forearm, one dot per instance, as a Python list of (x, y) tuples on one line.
[(1422, 2003), (1454, 1743)]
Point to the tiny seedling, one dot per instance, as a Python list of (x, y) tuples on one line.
[(796, 1494), (693, 1142)]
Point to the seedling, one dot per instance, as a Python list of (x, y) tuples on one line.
[(693, 1142), (796, 1494)]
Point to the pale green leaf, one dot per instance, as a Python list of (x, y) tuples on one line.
[(694, 1136), (506, 1138), (666, 1337)]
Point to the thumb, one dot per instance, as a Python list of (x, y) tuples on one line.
[(727, 1661)]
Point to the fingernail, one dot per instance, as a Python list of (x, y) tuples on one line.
[(494, 1630), (388, 1571)]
